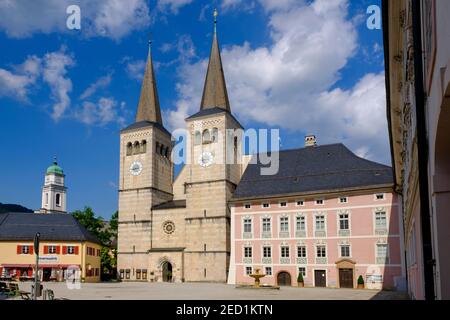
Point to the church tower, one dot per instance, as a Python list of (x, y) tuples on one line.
[(145, 175), (54, 191), (212, 177)]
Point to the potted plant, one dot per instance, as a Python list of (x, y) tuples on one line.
[(300, 281), (360, 282)]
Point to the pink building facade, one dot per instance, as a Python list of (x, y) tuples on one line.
[(330, 237)]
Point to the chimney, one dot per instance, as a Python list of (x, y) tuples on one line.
[(310, 141)]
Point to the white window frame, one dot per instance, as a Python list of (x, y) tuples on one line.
[(340, 245), (301, 215), (338, 213), (285, 245), (380, 210), (22, 251), (245, 270), (58, 204), (320, 245), (50, 249), (264, 203), (325, 221), (262, 250), (300, 205), (343, 197), (70, 249), (262, 224), (306, 250), (271, 271), (384, 243), (288, 224), (247, 204), (319, 204), (244, 251), (305, 273), (281, 202), (244, 223), (375, 196)]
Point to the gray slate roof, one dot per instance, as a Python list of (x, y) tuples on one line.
[(310, 170), (211, 111), (143, 124), (173, 204), (51, 226)]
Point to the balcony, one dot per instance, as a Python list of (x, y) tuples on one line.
[(381, 231), (283, 234), (320, 233), (300, 234), (344, 233), (266, 234), (321, 260), (247, 235), (266, 260), (247, 260), (302, 260), (382, 260), (285, 260)]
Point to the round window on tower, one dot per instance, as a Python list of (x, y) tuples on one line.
[(168, 227)]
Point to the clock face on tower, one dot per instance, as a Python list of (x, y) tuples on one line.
[(206, 159), (136, 168)]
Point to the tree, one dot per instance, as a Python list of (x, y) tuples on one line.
[(106, 233), (87, 218)]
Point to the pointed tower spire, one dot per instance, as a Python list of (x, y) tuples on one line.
[(148, 108), (215, 89)]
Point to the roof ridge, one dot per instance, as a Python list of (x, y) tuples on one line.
[(314, 175)]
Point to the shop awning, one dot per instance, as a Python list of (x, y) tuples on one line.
[(6, 265)]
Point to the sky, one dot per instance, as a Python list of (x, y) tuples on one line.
[(300, 66)]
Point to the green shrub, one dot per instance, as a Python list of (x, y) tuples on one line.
[(360, 280), (300, 278)]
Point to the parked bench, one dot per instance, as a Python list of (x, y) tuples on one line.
[(25, 295)]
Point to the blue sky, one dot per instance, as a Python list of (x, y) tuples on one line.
[(300, 66)]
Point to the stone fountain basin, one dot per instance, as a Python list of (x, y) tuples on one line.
[(261, 287)]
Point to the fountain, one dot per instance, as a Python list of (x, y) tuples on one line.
[(257, 276), (257, 285)]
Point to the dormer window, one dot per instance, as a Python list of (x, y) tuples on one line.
[(379, 196)]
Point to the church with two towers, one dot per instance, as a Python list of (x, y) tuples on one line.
[(178, 229)]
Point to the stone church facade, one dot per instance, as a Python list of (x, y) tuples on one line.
[(178, 229)]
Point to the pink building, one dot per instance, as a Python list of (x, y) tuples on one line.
[(327, 214)]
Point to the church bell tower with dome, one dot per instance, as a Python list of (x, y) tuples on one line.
[(54, 191)]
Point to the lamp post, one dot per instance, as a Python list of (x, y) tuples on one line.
[(36, 272)]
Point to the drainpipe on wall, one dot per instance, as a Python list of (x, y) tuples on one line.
[(422, 147)]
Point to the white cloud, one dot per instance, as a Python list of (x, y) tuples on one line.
[(291, 83), (172, 5), (135, 68), (108, 18), (55, 75), (100, 83), (268, 5), (101, 113), (17, 83)]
